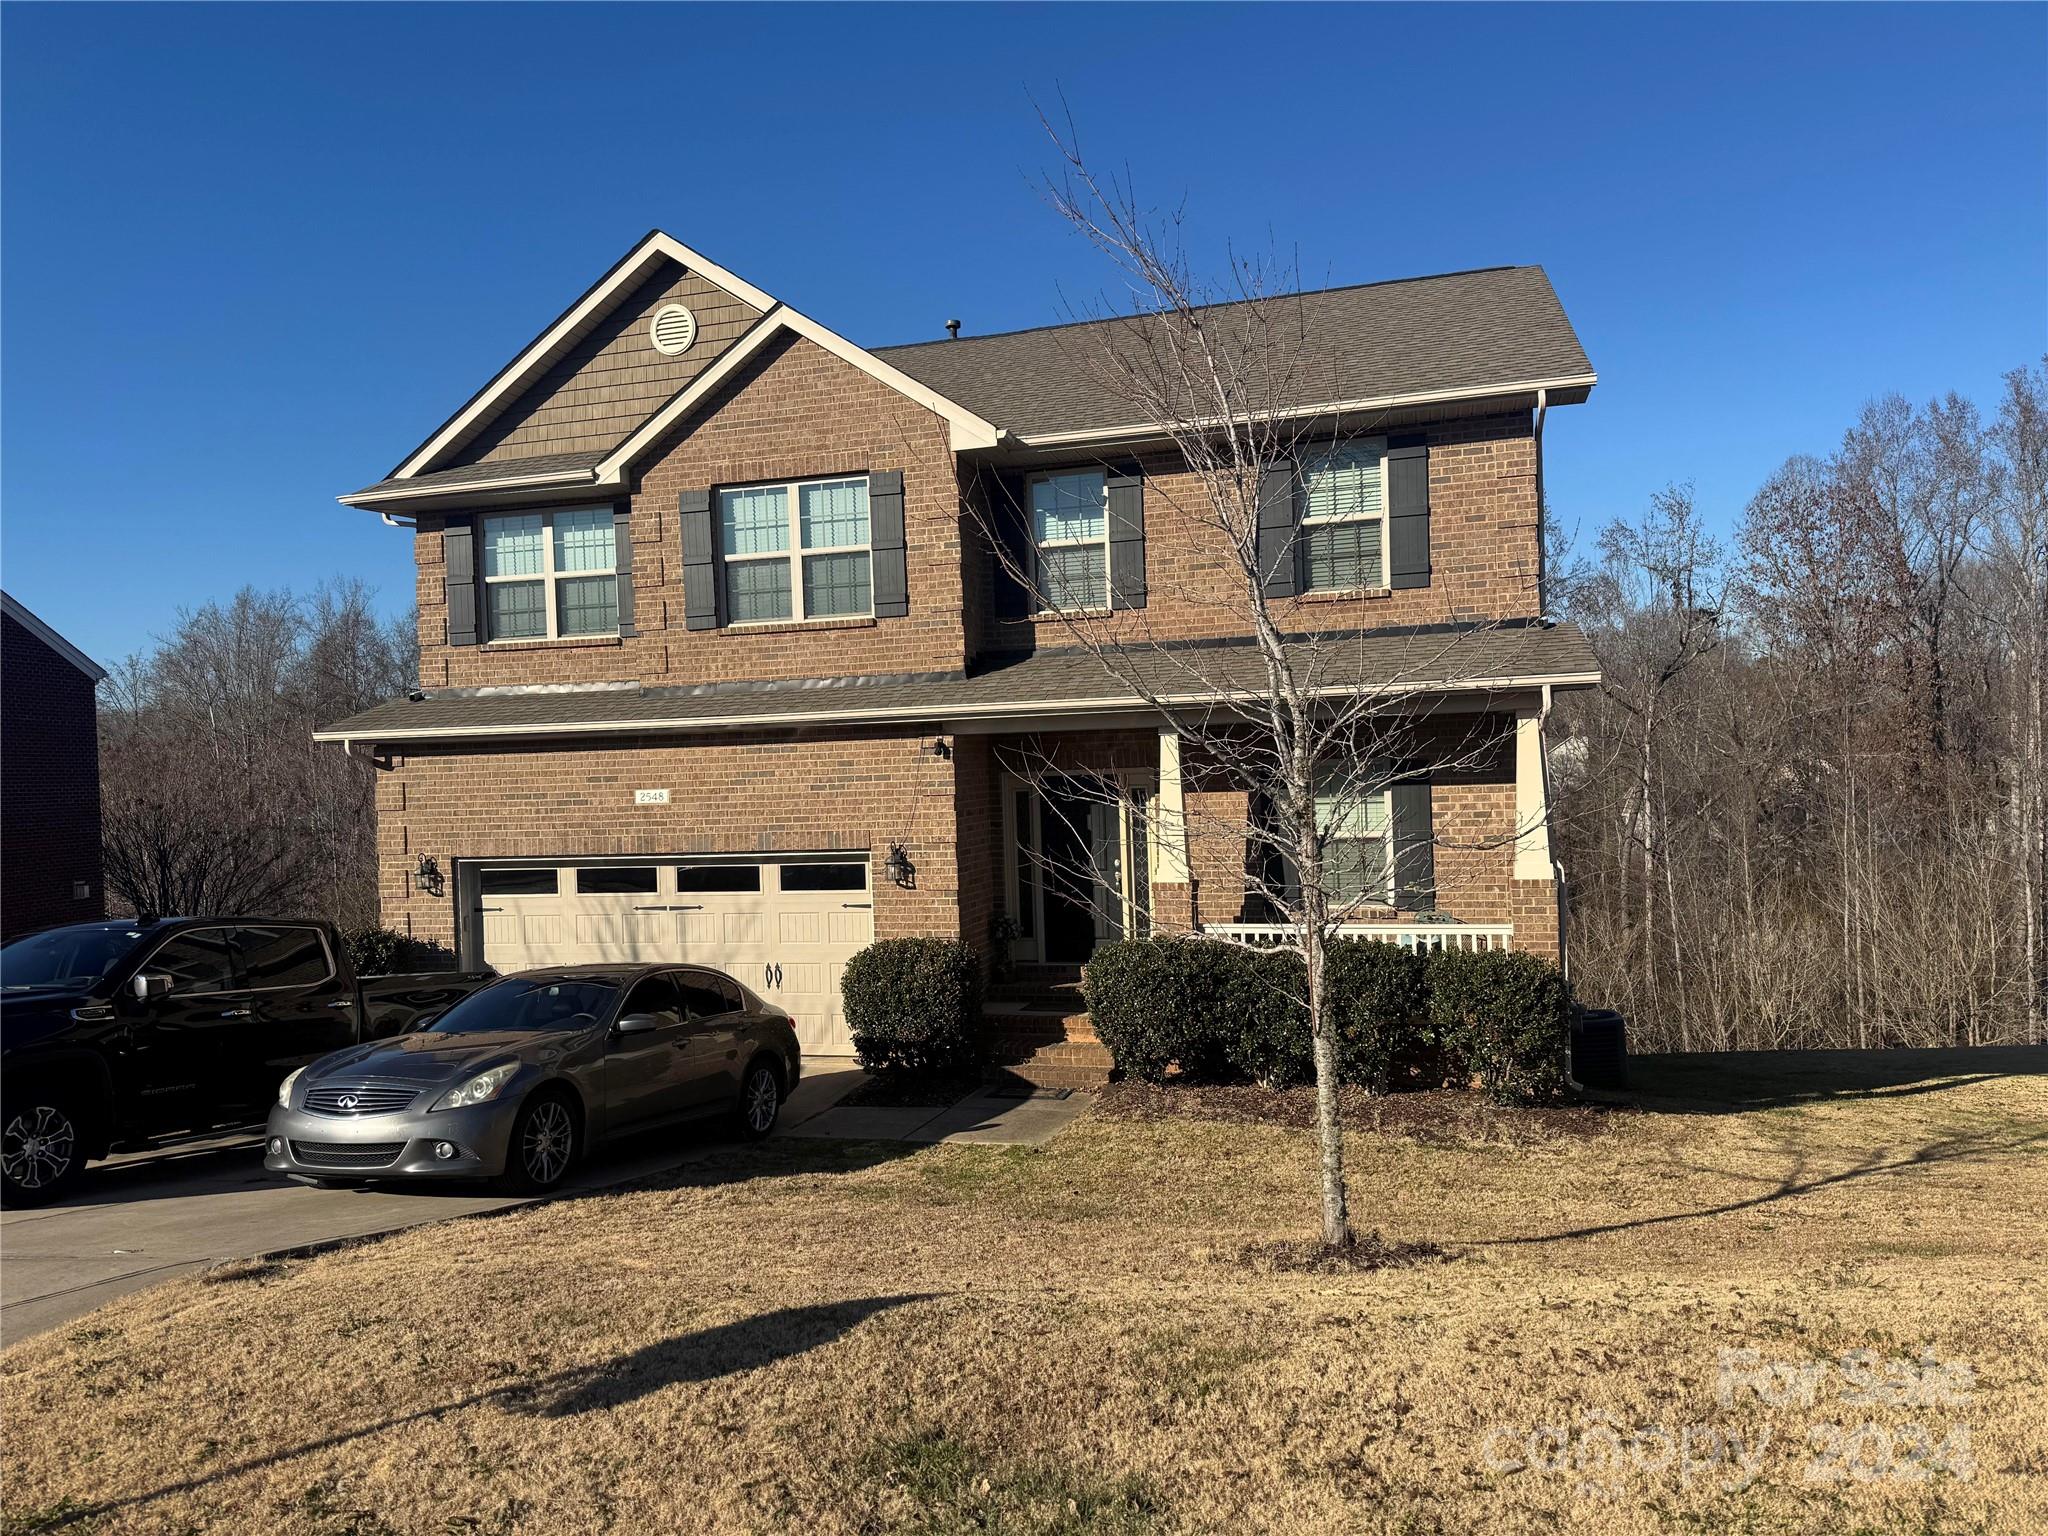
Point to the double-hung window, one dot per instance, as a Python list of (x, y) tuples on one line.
[(1070, 539), (796, 551), (1344, 518), (550, 574), (1355, 818)]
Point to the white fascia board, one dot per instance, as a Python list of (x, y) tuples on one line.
[(51, 638), (1326, 408), (568, 479), (1055, 708), (534, 361)]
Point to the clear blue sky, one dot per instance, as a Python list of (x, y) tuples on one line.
[(251, 255)]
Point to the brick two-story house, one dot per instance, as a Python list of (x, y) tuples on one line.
[(49, 777), (720, 659)]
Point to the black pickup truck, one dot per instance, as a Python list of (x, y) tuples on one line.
[(116, 1033)]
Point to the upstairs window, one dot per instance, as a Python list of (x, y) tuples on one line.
[(1344, 519), (1070, 538), (796, 551), (548, 575)]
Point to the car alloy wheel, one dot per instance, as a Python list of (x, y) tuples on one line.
[(763, 1098), (549, 1139), (37, 1147)]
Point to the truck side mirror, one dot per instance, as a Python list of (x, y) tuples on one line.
[(150, 984)]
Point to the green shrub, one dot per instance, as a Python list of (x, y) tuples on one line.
[(1158, 1002), (914, 1005), (1265, 1014), (1377, 996), (1503, 1017), (376, 951)]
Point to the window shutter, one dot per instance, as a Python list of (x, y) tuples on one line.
[(1414, 847), (1007, 523), (1408, 516), (458, 549), (622, 562), (1279, 513), (1126, 539), (700, 562), (885, 539)]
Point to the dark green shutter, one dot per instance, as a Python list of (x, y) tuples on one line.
[(1006, 518), (1408, 516), (458, 549), (1279, 515), (1414, 848), (622, 547), (885, 539), (700, 562), (1126, 540)]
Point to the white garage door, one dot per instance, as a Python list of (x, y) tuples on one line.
[(784, 928)]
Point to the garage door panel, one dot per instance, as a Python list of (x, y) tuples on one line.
[(790, 946)]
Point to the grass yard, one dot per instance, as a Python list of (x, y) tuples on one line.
[(826, 1338)]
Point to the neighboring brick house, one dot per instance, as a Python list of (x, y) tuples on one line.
[(719, 660), (49, 777)]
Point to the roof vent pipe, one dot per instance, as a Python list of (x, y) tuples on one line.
[(952, 330)]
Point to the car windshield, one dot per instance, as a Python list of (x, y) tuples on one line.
[(528, 1003), (66, 957)]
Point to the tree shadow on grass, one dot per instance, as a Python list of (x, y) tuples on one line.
[(1795, 1182), (705, 1355)]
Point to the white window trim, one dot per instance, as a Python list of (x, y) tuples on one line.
[(547, 576), (1382, 517), (1037, 544), (796, 552)]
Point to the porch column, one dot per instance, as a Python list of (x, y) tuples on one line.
[(1532, 799), (1170, 825)]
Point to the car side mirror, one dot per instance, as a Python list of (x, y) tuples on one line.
[(150, 984), (640, 1023)]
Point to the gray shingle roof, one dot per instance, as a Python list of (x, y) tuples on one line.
[(566, 465), (1464, 331), (1429, 657)]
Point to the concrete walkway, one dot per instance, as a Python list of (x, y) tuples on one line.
[(979, 1120)]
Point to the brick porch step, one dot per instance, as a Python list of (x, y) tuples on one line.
[(1049, 1046)]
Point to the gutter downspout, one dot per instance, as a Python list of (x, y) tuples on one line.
[(413, 526), (1542, 513)]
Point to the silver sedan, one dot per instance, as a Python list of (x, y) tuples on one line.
[(519, 1078)]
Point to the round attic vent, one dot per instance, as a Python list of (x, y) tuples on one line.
[(673, 330)]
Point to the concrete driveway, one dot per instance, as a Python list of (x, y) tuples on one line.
[(144, 1217)]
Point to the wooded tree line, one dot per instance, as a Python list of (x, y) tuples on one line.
[(217, 799), (1808, 806)]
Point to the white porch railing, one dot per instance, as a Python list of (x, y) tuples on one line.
[(1469, 936)]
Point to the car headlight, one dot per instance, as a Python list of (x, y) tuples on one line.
[(480, 1089), (284, 1089)]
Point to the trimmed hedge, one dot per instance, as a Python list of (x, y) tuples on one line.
[(1221, 1012), (914, 1005), (376, 951)]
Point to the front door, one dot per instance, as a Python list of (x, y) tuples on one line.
[(1079, 848)]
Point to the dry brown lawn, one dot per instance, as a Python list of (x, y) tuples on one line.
[(811, 1337)]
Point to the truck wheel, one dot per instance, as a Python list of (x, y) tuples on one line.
[(42, 1146)]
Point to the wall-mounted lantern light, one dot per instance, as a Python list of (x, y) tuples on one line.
[(898, 868), (427, 877)]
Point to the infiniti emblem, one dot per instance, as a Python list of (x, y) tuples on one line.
[(348, 1101)]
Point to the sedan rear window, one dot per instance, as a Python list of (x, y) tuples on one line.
[(528, 1003)]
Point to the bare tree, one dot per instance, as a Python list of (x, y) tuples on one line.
[(1287, 740)]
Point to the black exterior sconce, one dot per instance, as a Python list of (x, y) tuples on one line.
[(898, 868), (427, 878)]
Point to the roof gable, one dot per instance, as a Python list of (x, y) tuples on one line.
[(48, 636)]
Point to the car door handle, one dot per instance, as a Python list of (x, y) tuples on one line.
[(235, 1013), (346, 1002)]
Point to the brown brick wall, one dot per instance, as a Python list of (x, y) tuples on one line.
[(49, 786), (1484, 547), (795, 413), (733, 795)]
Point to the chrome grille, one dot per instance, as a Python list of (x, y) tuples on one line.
[(347, 1154), (360, 1099)]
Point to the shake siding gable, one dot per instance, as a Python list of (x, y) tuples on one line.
[(613, 379)]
